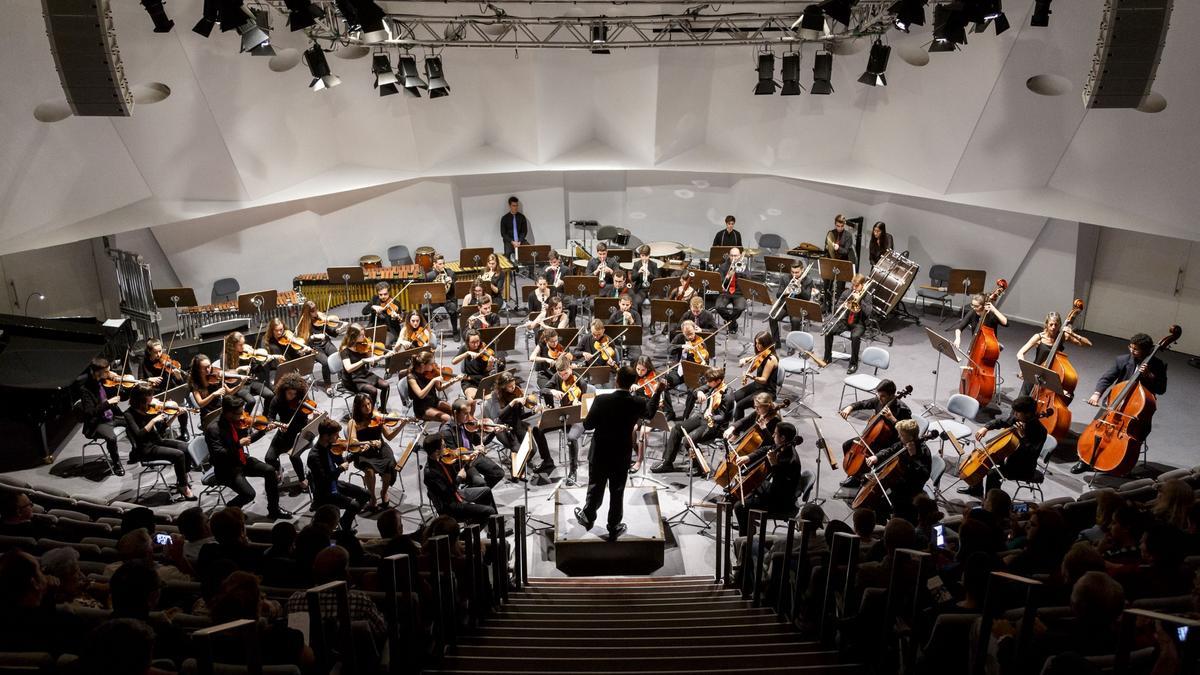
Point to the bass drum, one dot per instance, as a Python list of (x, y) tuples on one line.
[(890, 278), (424, 257)]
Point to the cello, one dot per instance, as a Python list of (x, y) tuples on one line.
[(1053, 410), (750, 441), (1113, 440), (975, 467), (878, 433), (886, 475), (978, 379)]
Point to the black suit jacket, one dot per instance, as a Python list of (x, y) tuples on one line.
[(89, 403), (1124, 369), (506, 228), (731, 238), (636, 274), (222, 453), (612, 418), (322, 473)]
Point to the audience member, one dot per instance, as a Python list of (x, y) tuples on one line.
[(240, 597), (229, 532), (119, 647), (279, 567), (138, 545), (1175, 497), (193, 525), (72, 587), (29, 621), (135, 589), (16, 515), (333, 564), (1107, 503)]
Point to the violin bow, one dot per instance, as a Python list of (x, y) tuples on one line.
[(595, 356)]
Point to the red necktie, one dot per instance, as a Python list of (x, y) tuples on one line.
[(733, 284)]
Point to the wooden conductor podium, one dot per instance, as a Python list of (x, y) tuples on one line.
[(639, 550)]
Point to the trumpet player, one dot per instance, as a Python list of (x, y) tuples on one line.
[(730, 304), (852, 314), (599, 267), (799, 286), (645, 270)]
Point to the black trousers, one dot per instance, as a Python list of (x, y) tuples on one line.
[(349, 498), (673, 380), (451, 307), (741, 511), (281, 446), (107, 431), (246, 494), (477, 506), (484, 472), (510, 441), (856, 333), (730, 307), (615, 484), (695, 428), (170, 450), (374, 386), (744, 398)]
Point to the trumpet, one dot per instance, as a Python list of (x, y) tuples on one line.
[(602, 269)]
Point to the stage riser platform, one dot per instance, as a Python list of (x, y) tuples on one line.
[(579, 552)]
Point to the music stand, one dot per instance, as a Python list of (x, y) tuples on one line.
[(621, 255), (666, 311), (347, 275), (778, 264), (177, 394), (474, 257), (301, 364), (560, 418), (402, 462), (693, 374), (530, 254), (719, 254), (400, 361), (656, 423), (630, 335), (805, 310), (506, 340), (428, 294), (462, 288), (266, 301), (602, 307), (707, 281), (376, 333), (943, 347), (835, 270), (309, 432), (581, 286), (488, 383), (598, 375), (710, 343), (689, 507), (754, 291), (966, 282), (1041, 377), (662, 286)]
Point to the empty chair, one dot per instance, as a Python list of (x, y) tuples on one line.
[(939, 277), (198, 451), (799, 342), (399, 255), (966, 408), (606, 232), (876, 357), (224, 290), (770, 243)]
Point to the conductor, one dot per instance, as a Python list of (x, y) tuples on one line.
[(612, 417)]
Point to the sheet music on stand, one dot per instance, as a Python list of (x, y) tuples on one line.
[(945, 348), (1041, 377), (307, 434)]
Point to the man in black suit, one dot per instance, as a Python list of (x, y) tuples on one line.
[(514, 227), (728, 236), (644, 271), (228, 449), (612, 418), (324, 468), (730, 303), (1153, 375)]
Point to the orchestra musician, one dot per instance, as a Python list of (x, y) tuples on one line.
[(765, 418), (620, 285), (149, 439), (857, 303), (703, 318), (651, 390), (566, 389), (482, 471), (687, 345), (585, 349), (289, 408), (839, 244), (983, 312), (208, 385), (540, 296), (484, 316), (101, 414), (730, 303), (358, 357), (545, 354), (1021, 464), (445, 478), (444, 276), (761, 373), (279, 344), (644, 271), (424, 382), (599, 267), (705, 425), (623, 314), (161, 372), (324, 468), (511, 406), (476, 363), (918, 464), (728, 236), (377, 458), (1124, 369), (478, 290), (881, 242), (799, 287), (777, 494), (320, 338), (1044, 341), (238, 353), (551, 316), (554, 273), (492, 277), (514, 228), (885, 397), (229, 447), (383, 309), (415, 332), (684, 291)]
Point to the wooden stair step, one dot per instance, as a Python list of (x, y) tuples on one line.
[(616, 621), (634, 651), (666, 632), (712, 614), (605, 581), (522, 606), (650, 594), (818, 669), (571, 641), (643, 664)]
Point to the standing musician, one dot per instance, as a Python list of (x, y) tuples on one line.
[(319, 337), (514, 228), (1124, 369), (148, 437), (599, 267), (383, 309), (918, 464), (540, 295), (229, 447), (551, 316), (687, 345), (279, 344), (623, 314), (324, 468), (777, 494), (545, 354), (484, 316), (101, 415), (1044, 341), (799, 287), (492, 277), (644, 271), (684, 291), (1021, 464), (444, 474), (893, 411), (760, 374), (881, 242), (511, 406), (983, 312), (651, 390), (716, 410), (209, 384), (369, 426), (289, 407), (162, 372), (424, 382), (416, 332), (440, 274), (839, 244), (857, 303), (476, 363), (238, 353), (728, 236), (765, 418), (730, 303), (358, 356), (482, 471), (586, 350), (566, 389)]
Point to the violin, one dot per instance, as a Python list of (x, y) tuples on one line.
[(308, 406), (698, 349), (887, 475), (604, 350), (168, 408), (1000, 447), (257, 422), (878, 433), (166, 363), (368, 348), (388, 308), (457, 456), (228, 377), (756, 363), (1058, 422), (475, 426), (420, 338), (570, 387), (714, 402), (126, 381), (388, 420), (289, 339), (259, 355), (330, 320), (343, 445), (527, 401), (979, 378), (647, 383)]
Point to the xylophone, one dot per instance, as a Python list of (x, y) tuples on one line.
[(192, 319), (318, 288)]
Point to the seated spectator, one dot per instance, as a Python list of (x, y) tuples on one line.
[(138, 518), (863, 522), (16, 515), (1107, 503), (1161, 572), (241, 597), (1175, 497), (135, 589), (137, 545), (193, 525), (1097, 601), (333, 564), (328, 517), (928, 515), (29, 621), (1046, 541), (73, 588), (210, 584), (279, 566), (977, 570), (311, 540), (1121, 543), (229, 531), (1080, 559), (392, 539), (898, 533), (119, 647)]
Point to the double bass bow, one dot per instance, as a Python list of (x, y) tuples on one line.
[(876, 434), (1057, 409), (978, 379)]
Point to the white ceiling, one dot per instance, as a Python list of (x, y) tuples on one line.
[(235, 135)]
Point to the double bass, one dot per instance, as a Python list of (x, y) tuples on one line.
[(886, 475), (1053, 410), (1113, 440), (877, 434), (975, 466), (979, 378)]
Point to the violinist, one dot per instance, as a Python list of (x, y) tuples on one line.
[(289, 408), (229, 440), (730, 303), (714, 413), (208, 384), (566, 389), (599, 267), (594, 348), (383, 309), (358, 356), (444, 276), (623, 314), (728, 236), (101, 415), (477, 363), (484, 316), (760, 373), (1153, 375), (415, 333), (461, 433), (684, 291), (283, 342), (858, 309), (777, 493), (319, 337), (324, 468), (799, 287), (1021, 464), (237, 353), (444, 479), (378, 458), (765, 419), (424, 381), (983, 312), (687, 345), (917, 465), (644, 271), (509, 405), (839, 245), (163, 372), (893, 410), (1044, 341), (545, 354), (650, 390), (148, 436)]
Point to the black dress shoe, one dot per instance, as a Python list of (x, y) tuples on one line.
[(571, 480), (970, 491), (662, 467), (279, 514), (1079, 467), (614, 532), (579, 515), (852, 369), (544, 467), (118, 470), (851, 482)]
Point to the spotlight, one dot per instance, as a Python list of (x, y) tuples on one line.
[(791, 75), (984, 12), (949, 28), (1041, 13), (410, 77), (766, 75), (318, 67), (254, 36), (822, 74), (599, 38), (371, 18), (438, 86), (908, 13), (812, 23), (838, 10), (385, 77), (876, 65), (302, 14), (158, 15), (208, 18), (349, 12)]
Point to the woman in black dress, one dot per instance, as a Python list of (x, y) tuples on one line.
[(357, 359), (881, 242), (424, 382), (378, 458)]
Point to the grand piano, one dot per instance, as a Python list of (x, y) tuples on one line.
[(40, 362)]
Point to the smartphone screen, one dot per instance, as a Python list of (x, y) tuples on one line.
[(939, 534), (1181, 633), (162, 539)]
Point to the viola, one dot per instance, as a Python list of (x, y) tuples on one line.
[(458, 456), (756, 363), (420, 338), (257, 422), (388, 420), (228, 377), (998, 448), (1112, 442), (343, 445), (308, 406), (1058, 421), (978, 379), (165, 363), (330, 320), (168, 408), (604, 350), (886, 476), (475, 426), (878, 433), (698, 349), (389, 308), (126, 381), (714, 402), (570, 387), (555, 352)]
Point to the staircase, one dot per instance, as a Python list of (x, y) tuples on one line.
[(635, 625)]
